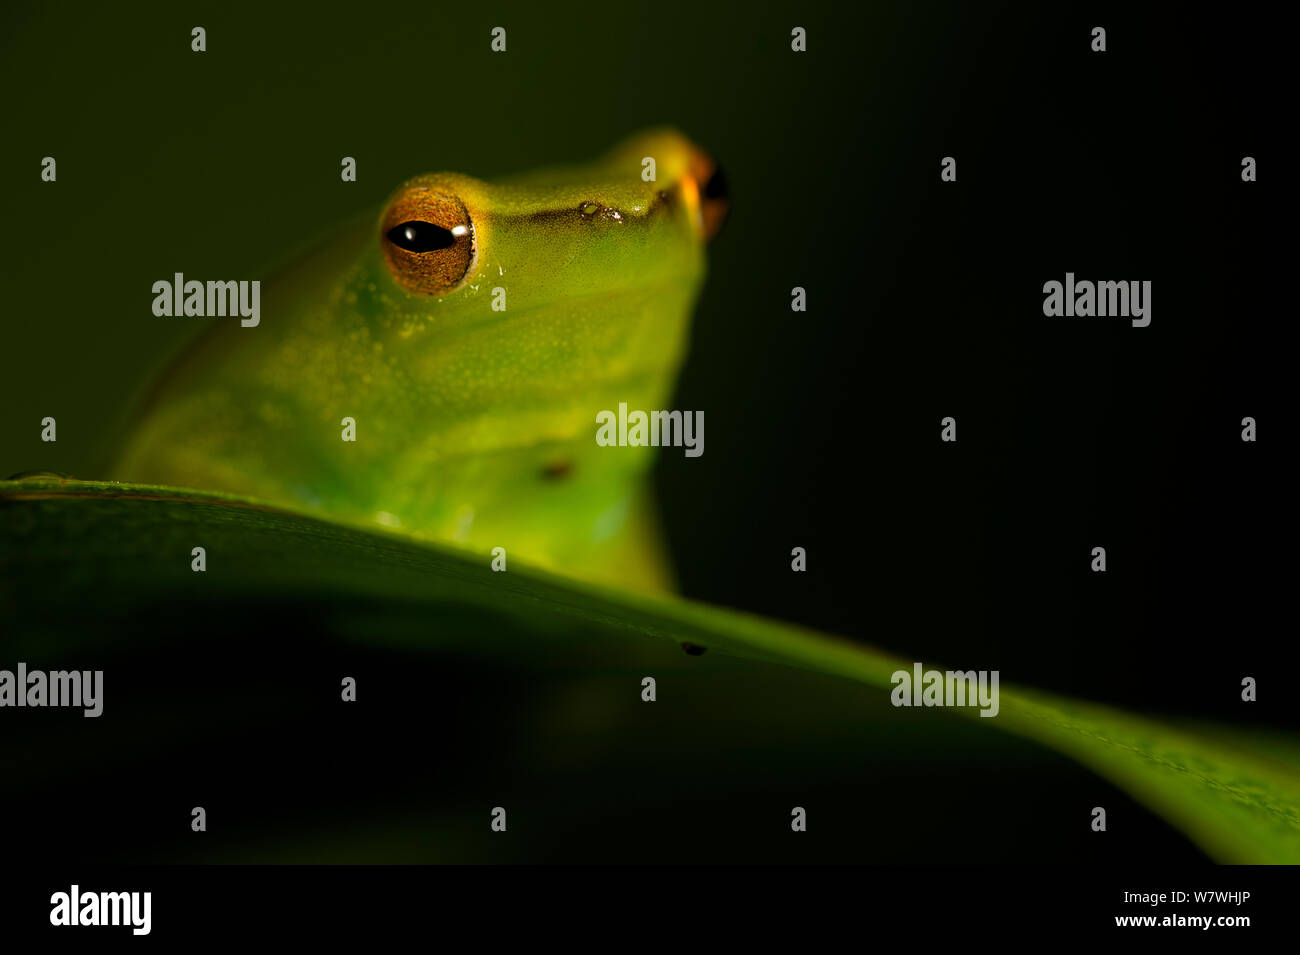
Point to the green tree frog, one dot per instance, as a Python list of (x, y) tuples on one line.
[(439, 368)]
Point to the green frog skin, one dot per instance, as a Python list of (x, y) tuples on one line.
[(473, 424)]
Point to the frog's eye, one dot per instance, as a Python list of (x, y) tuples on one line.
[(428, 241)]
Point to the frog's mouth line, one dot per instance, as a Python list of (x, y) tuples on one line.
[(593, 211), (710, 201)]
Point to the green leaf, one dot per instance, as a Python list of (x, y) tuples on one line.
[(80, 559)]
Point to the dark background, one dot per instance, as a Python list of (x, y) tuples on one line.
[(822, 427), (926, 301)]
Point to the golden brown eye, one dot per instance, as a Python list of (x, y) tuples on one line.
[(428, 241)]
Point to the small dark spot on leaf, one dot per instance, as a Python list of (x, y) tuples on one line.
[(694, 649)]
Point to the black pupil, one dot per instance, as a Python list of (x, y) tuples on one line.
[(416, 236)]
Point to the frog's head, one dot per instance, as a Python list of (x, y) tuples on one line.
[(632, 220)]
